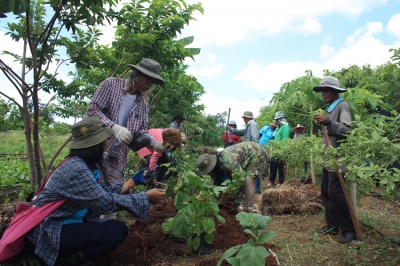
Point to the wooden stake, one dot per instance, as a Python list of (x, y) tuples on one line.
[(346, 195)]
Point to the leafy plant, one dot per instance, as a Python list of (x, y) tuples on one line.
[(235, 184), (196, 202), (251, 253)]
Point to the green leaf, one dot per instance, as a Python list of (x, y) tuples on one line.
[(250, 255), (230, 252), (375, 135), (208, 224), (265, 237), (220, 218), (183, 223), (196, 242), (209, 238)]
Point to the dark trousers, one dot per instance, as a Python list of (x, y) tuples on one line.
[(96, 240), (275, 167), (337, 212), (160, 170)]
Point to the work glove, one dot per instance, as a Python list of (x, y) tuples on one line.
[(158, 146), (139, 141), (139, 178), (122, 134), (183, 137)]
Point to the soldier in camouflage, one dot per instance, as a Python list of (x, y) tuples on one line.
[(250, 158)]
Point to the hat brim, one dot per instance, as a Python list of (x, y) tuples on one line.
[(336, 88), (207, 170), (159, 80), (250, 117), (92, 141), (300, 128)]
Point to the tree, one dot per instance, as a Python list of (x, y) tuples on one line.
[(41, 39)]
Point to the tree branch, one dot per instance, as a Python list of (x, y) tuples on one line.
[(58, 151), (6, 68), (51, 55), (11, 99)]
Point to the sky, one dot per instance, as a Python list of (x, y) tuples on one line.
[(249, 49)]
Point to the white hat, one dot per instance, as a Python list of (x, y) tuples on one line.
[(232, 122)]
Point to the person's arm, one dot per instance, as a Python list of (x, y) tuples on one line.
[(254, 133), (224, 136), (101, 101), (154, 159), (238, 132)]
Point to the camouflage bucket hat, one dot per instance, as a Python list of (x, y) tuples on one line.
[(206, 163), (88, 133), (150, 68)]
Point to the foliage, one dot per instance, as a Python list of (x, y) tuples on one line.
[(13, 171), (235, 184), (196, 203), (370, 152), (296, 152), (250, 253)]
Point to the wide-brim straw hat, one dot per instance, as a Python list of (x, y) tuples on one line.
[(329, 82), (88, 133), (274, 123), (205, 163), (150, 68)]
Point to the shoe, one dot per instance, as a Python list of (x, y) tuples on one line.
[(278, 185), (328, 230), (347, 237), (270, 185)]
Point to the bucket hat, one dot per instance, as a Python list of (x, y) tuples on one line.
[(232, 122), (329, 82), (206, 163), (279, 115), (299, 128), (150, 68), (273, 123), (248, 114), (89, 132)]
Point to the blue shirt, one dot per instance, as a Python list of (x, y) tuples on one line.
[(74, 181), (266, 135)]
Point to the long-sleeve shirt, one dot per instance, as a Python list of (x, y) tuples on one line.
[(338, 122), (155, 155), (267, 134), (250, 133), (106, 105), (231, 138), (74, 181), (175, 125), (283, 132)]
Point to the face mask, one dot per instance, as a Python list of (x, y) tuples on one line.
[(105, 154)]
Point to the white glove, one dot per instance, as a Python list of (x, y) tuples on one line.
[(200, 131), (158, 146), (122, 134)]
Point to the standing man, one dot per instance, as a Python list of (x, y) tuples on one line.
[(337, 122), (120, 104), (177, 122), (283, 132), (231, 138), (251, 132)]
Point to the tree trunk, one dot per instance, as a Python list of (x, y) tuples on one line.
[(312, 158)]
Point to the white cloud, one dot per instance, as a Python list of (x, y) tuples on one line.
[(325, 50), (393, 26), (217, 104), (205, 66), (228, 22), (361, 49)]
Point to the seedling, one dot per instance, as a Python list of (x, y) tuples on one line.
[(251, 253)]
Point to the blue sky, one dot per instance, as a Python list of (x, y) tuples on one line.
[(250, 48)]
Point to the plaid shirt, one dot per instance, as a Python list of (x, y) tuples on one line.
[(74, 181), (105, 105)]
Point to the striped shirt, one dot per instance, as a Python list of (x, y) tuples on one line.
[(74, 181), (106, 105)]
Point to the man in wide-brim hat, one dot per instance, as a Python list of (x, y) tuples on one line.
[(121, 105), (337, 121), (251, 132)]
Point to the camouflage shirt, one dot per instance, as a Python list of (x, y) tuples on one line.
[(248, 157)]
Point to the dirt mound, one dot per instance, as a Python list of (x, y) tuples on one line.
[(292, 198), (6, 214), (147, 245)]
